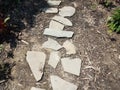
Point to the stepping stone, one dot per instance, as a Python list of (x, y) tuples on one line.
[(58, 33), (67, 11), (71, 65), (54, 59), (54, 2), (60, 84), (56, 25), (36, 61), (51, 44), (34, 88), (63, 20), (69, 46), (50, 10)]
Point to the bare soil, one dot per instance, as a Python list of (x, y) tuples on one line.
[(98, 49)]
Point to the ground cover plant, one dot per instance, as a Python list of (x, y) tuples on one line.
[(114, 21)]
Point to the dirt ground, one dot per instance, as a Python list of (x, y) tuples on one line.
[(98, 49)]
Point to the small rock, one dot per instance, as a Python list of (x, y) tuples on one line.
[(63, 20), (54, 59), (56, 25), (25, 42), (51, 10), (67, 11), (51, 44), (53, 2), (75, 4), (60, 84), (69, 46), (36, 61), (58, 33), (34, 88), (71, 65), (119, 56)]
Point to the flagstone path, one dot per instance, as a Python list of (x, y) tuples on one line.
[(36, 59), (67, 49)]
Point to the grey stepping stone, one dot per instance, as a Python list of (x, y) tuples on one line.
[(54, 59), (71, 65), (60, 84), (50, 10), (67, 11), (58, 33), (51, 44), (63, 20), (56, 25), (69, 46), (54, 2), (34, 88), (36, 61)]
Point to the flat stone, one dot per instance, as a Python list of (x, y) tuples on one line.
[(69, 46), (58, 33), (50, 10), (67, 11), (56, 25), (36, 61), (54, 59), (51, 44), (54, 2), (71, 65), (119, 56), (34, 88), (63, 20), (60, 84)]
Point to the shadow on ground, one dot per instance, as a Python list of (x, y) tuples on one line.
[(18, 10)]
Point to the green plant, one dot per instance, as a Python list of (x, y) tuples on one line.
[(1, 47), (114, 21), (106, 3), (5, 70)]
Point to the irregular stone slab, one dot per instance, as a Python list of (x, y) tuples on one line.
[(58, 33), (60, 84), (67, 11), (54, 2), (63, 20), (56, 25), (50, 10), (36, 61), (34, 88), (51, 44), (69, 46), (54, 59), (71, 65)]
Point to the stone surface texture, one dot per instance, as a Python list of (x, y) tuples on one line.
[(58, 33), (50, 10), (72, 66), (60, 84), (51, 44), (69, 46), (67, 11), (54, 2), (54, 59), (56, 25), (63, 20), (34, 88), (36, 61)]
